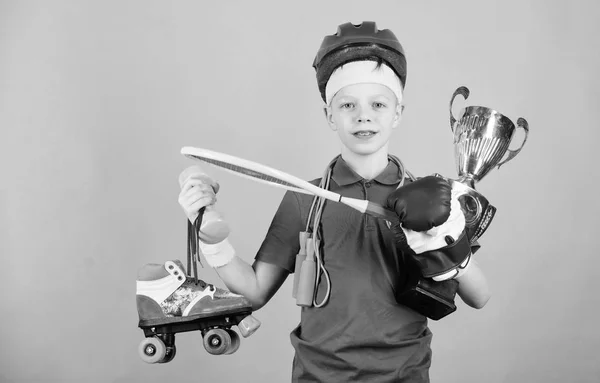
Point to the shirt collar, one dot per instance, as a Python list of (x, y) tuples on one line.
[(343, 175)]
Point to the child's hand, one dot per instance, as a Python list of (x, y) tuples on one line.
[(431, 223), (197, 191)]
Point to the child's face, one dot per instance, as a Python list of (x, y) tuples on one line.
[(364, 116)]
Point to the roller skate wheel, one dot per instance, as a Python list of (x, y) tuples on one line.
[(217, 341), (235, 342), (152, 350), (248, 326), (170, 354)]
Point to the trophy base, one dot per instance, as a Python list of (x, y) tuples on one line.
[(477, 209), (486, 218)]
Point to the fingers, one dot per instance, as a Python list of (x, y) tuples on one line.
[(200, 203), (190, 195), (196, 184), (192, 171), (195, 197), (192, 205), (197, 191), (185, 179)]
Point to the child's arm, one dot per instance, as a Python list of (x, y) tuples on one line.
[(258, 283), (473, 287)]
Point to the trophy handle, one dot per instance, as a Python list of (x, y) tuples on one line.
[(521, 123), (463, 91)]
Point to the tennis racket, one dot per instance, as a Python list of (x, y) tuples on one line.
[(273, 177)]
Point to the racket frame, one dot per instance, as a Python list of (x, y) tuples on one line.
[(291, 182)]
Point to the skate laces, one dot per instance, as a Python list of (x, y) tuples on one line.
[(193, 250)]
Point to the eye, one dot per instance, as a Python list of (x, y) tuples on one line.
[(347, 105), (378, 105)]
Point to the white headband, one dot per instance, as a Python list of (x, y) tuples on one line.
[(362, 72)]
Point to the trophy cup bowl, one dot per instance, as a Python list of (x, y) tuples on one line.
[(481, 139)]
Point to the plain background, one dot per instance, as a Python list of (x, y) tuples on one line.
[(97, 99)]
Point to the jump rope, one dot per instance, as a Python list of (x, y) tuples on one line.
[(310, 267)]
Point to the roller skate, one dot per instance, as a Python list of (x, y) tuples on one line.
[(169, 302)]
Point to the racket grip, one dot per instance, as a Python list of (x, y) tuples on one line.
[(300, 257), (381, 212), (306, 282)]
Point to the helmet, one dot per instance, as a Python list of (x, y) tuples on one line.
[(358, 42)]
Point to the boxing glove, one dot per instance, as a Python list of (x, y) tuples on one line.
[(431, 227)]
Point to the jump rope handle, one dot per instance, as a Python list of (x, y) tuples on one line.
[(306, 279), (300, 257)]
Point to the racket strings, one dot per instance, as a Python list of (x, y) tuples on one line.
[(245, 171)]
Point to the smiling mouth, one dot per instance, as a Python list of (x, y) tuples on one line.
[(364, 133)]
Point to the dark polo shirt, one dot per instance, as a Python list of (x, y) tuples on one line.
[(361, 334)]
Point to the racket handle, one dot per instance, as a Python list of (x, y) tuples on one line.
[(371, 208), (381, 212), (306, 282), (300, 257)]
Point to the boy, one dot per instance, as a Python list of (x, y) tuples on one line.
[(359, 332)]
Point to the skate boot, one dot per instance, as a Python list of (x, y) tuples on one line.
[(169, 301)]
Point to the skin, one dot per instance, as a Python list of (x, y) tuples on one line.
[(355, 108), (374, 107), (257, 282), (364, 107)]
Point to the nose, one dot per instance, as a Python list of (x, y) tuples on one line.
[(362, 116)]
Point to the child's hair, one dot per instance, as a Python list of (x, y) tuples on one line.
[(378, 60)]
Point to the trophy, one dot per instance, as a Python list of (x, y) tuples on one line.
[(481, 139)]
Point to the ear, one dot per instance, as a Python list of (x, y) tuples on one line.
[(398, 115), (329, 117)]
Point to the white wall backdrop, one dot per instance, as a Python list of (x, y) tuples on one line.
[(97, 99)]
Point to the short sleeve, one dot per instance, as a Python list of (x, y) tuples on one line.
[(281, 244)]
